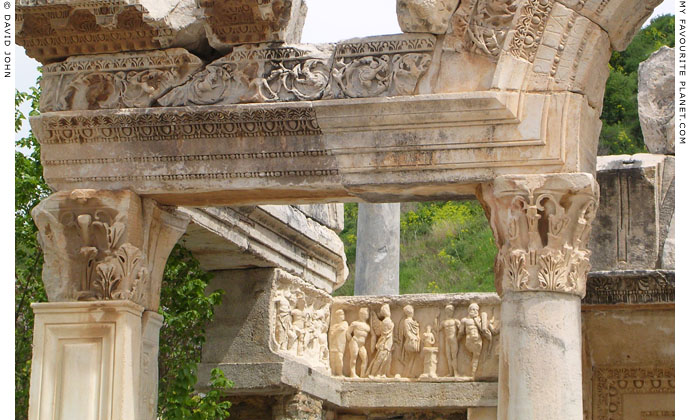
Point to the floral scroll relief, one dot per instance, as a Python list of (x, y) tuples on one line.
[(384, 75), (480, 26)]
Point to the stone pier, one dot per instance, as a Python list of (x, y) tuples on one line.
[(377, 271), (541, 226)]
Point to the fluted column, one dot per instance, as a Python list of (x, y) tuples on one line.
[(541, 225), (95, 352)]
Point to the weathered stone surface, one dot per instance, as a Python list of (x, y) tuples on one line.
[(573, 56), (482, 413), (233, 22), (378, 249), (299, 406), (259, 73), (481, 26), (541, 224), (462, 330), (430, 16), (267, 236), (621, 19), (541, 364), (630, 287), (124, 80), (105, 245), (655, 101), (94, 360), (629, 359), (379, 149), (53, 30), (389, 65), (636, 208), (331, 215)]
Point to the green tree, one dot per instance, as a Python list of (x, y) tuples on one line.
[(185, 306), (621, 132)]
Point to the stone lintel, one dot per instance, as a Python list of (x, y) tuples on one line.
[(319, 151)]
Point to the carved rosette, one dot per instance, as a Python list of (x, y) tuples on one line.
[(105, 245), (541, 225)]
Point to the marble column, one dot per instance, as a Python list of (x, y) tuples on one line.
[(541, 225), (378, 249), (95, 344)]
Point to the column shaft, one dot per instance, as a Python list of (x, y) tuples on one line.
[(378, 249)]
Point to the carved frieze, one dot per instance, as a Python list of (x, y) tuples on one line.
[(622, 393), (52, 30), (530, 28), (414, 339), (541, 224), (234, 22), (301, 320), (165, 126), (480, 26), (380, 66), (630, 287), (264, 73), (105, 245), (126, 80)]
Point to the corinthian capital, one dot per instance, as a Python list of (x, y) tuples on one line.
[(105, 245), (541, 224)]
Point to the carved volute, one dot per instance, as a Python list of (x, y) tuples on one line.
[(541, 225)]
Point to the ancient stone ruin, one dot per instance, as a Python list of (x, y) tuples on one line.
[(209, 121)]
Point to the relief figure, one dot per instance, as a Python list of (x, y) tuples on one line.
[(408, 337), (450, 327), (337, 338), (357, 336), (383, 349)]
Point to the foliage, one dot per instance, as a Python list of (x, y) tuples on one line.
[(30, 188), (444, 247), (184, 305), (621, 132)]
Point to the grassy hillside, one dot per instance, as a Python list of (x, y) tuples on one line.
[(444, 247)]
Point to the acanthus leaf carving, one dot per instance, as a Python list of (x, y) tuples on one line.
[(531, 216), (95, 245)]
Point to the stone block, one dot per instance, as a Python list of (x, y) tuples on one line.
[(224, 238), (621, 19), (482, 413), (331, 215), (635, 211), (267, 315), (629, 359), (123, 80), (388, 65), (51, 31), (89, 358), (655, 101), (233, 22), (259, 73), (424, 15)]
